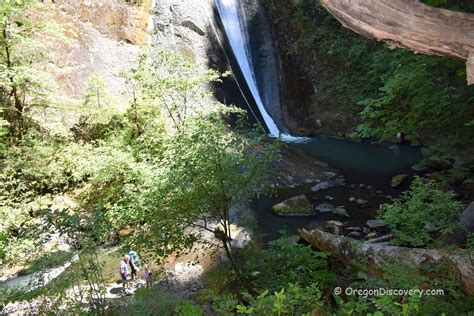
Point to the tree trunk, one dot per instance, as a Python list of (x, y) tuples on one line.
[(410, 24), (350, 250)]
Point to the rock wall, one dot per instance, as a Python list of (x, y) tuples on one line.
[(313, 101), (99, 37), (183, 25)]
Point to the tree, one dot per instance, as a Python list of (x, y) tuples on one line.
[(96, 91), (22, 86), (212, 169), (173, 83), (207, 167)]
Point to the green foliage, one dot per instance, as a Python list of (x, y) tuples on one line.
[(424, 204), (150, 302), (218, 280), (171, 82), (290, 300), (49, 261), (436, 3), (470, 246), (96, 91), (204, 167), (456, 5), (358, 82), (284, 262), (394, 275), (22, 85), (3, 133), (423, 96)]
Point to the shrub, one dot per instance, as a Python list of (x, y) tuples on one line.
[(283, 263), (423, 205), (290, 300)]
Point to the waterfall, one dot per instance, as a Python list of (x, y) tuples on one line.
[(232, 15), (234, 25)]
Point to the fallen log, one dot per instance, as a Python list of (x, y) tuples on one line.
[(410, 24), (375, 255)]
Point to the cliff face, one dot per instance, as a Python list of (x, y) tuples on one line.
[(98, 38), (331, 73), (316, 92), (183, 25)]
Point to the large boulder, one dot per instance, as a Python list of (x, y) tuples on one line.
[(297, 205)]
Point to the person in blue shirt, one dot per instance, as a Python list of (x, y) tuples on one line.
[(133, 262)]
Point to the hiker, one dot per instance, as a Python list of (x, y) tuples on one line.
[(147, 275), (134, 257), (133, 263), (133, 270), (124, 271)]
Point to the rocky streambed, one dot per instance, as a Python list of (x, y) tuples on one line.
[(308, 193)]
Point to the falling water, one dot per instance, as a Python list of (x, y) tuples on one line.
[(231, 15)]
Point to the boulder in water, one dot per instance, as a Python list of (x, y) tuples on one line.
[(329, 198), (360, 202), (398, 180), (297, 205), (376, 224), (340, 211), (318, 123), (324, 208), (324, 185)]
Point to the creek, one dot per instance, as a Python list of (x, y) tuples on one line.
[(247, 43)]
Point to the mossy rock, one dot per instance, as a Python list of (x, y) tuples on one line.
[(297, 205)]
